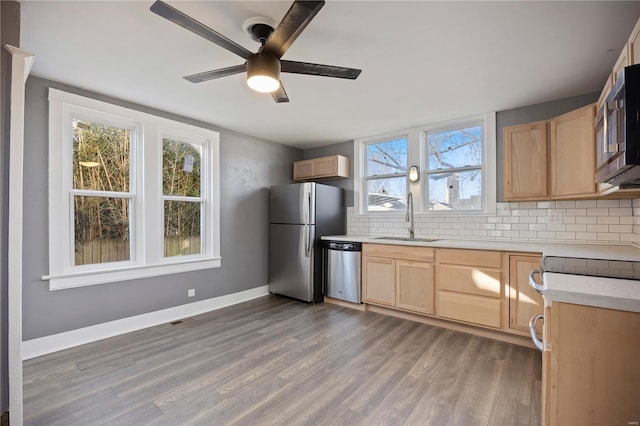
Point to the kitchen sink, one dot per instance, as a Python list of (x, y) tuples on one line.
[(420, 240)]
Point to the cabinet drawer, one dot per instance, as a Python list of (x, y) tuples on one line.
[(490, 259), (469, 308), (467, 279), (399, 252)]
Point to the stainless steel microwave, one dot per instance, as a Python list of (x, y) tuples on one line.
[(618, 132)]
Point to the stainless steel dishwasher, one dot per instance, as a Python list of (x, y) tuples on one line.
[(342, 270)]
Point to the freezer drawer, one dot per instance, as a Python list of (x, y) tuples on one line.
[(342, 270)]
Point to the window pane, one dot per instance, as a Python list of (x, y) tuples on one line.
[(180, 168), (100, 157), (101, 228), (455, 148), (387, 194), (181, 228), (455, 191), (387, 158)]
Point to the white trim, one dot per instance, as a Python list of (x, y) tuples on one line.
[(126, 273), (57, 342), (146, 207), (21, 62)]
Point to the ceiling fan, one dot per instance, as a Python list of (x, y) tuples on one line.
[(263, 67)]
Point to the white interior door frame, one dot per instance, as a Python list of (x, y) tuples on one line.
[(21, 63)]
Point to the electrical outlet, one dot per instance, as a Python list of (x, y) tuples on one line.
[(191, 292), (554, 217)]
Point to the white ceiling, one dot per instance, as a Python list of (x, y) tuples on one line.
[(422, 62)]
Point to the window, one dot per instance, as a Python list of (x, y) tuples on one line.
[(386, 169), (457, 160), (454, 167), (131, 194)]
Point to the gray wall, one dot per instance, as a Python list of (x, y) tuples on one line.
[(248, 167), (529, 114), (344, 148), (10, 28)]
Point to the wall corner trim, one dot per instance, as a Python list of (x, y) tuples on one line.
[(57, 342)]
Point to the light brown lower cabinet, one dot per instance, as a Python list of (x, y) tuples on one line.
[(591, 366), (378, 281), (404, 280), (470, 286), (414, 286), (524, 301)]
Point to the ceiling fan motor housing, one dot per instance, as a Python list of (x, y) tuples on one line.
[(263, 64)]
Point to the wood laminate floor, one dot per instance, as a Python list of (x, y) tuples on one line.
[(279, 361)]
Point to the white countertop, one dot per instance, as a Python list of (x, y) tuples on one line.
[(590, 251), (611, 293)]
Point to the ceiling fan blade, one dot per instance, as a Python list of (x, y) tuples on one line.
[(174, 15), (210, 75), (319, 69), (295, 20), (280, 95)]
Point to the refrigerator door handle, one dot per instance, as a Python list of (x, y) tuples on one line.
[(308, 230), (307, 208)]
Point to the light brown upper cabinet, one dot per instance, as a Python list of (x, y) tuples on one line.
[(319, 168), (623, 61), (573, 154), (633, 46), (553, 159), (525, 162)]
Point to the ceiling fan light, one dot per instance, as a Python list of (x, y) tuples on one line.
[(263, 83), (263, 73)]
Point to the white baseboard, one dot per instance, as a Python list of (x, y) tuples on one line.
[(68, 339)]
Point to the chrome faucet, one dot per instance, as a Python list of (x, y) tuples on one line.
[(409, 217)]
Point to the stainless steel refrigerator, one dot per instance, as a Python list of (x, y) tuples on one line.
[(299, 215)]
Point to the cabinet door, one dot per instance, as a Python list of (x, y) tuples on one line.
[(302, 169), (379, 280), (524, 302), (573, 154), (594, 377), (634, 45), (623, 61), (525, 161), (414, 286), (325, 166)]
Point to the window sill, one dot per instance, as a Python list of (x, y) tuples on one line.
[(83, 279), (442, 213)]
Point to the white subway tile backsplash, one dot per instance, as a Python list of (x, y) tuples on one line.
[(576, 212), (597, 228), (588, 221), (621, 211), (597, 212), (586, 203), (609, 220), (565, 204), (621, 228), (608, 203)]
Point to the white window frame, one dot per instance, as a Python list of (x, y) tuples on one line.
[(366, 178), (417, 150), (145, 192)]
